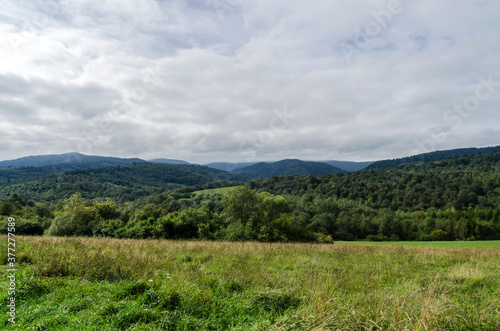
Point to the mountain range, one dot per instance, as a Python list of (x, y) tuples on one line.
[(61, 163), (343, 165), (169, 161), (33, 167), (99, 174)]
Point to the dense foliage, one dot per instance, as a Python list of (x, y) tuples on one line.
[(432, 156), (449, 199), (286, 167), (121, 183), (71, 160), (35, 167)]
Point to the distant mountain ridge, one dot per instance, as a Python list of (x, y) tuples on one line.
[(287, 167), (33, 167), (73, 159), (343, 165), (128, 179), (432, 156), (229, 166), (168, 161), (349, 165)]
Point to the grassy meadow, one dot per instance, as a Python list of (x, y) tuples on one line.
[(112, 284), (448, 244)]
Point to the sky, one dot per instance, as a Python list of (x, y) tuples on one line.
[(248, 80)]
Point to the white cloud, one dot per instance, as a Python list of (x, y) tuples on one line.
[(204, 80)]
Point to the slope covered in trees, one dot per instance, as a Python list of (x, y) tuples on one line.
[(456, 198), (459, 183), (123, 183), (168, 161), (449, 199), (348, 165), (36, 167), (432, 156), (286, 167), (73, 160)]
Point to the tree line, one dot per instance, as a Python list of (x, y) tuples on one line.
[(449, 199)]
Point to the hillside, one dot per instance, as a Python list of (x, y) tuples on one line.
[(432, 156), (18, 175), (213, 174), (450, 199), (71, 160), (36, 167), (348, 165), (229, 166), (343, 165), (286, 167), (456, 183), (169, 161), (124, 182)]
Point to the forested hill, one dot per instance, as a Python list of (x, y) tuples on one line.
[(37, 167), (70, 161), (168, 161), (287, 167), (449, 199), (457, 183), (432, 156), (229, 166), (123, 183), (348, 165), (212, 173)]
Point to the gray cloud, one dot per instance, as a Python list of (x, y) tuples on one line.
[(210, 80)]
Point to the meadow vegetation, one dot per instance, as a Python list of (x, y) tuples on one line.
[(123, 284)]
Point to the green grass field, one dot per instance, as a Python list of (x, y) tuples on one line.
[(449, 244), (111, 284)]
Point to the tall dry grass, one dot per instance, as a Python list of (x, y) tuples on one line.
[(294, 286)]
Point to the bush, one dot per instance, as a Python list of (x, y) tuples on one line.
[(24, 227), (378, 237), (7, 208), (438, 235), (77, 218), (424, 237)]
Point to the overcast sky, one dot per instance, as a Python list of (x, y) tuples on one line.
[(248, 80)]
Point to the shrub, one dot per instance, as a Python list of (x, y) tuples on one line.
[(77, 218), (378, 237), (24, 227), (438, 235)]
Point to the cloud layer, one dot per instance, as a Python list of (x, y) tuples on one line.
[(237, 80)]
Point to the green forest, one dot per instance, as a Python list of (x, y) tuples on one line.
[(454, 198)]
